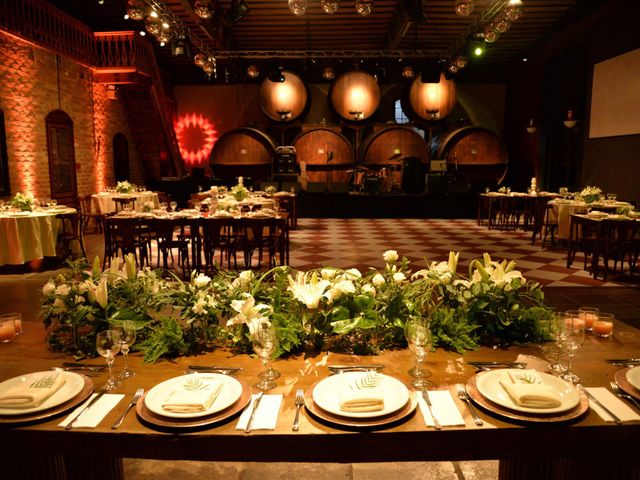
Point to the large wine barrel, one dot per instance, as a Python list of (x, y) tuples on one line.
[(244, 152), (283, 101), (386, 147), (432, 101), (355, 95), (328, 155), (474, 154)]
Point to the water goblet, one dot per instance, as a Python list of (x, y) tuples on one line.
[(572, 335), (264, 342), (173, 206), (554, 349), (418, 336), (108, 346), (127, 330)]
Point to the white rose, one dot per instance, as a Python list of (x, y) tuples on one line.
[(345, 286), (378, 280), (390, 256), (59, 305), (49, 288), (399, 277), (62, 290), (328, 273), (368, 289), (353, 272), (202, 281)]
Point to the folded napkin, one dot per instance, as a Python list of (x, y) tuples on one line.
[(365, 400), (191, 400), (266, 415), (527, 389), (444, 408), (96, 413), (33, 394), (613, 403)]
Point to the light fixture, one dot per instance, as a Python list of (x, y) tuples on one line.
[(199, 59), (136, 10), (152, 25), (464, 7), (490, 35), (298, 7), (328, 73), (501, 24), (329, 6), (513, 10), (408, 72), (203, 8), (252, 71), (180, 45), (364, 7), (570, 122), (210, 67), (461, 61), (477, 48), (237, 10), (531, 128)]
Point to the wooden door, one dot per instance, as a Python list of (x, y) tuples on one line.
[(62, 160)]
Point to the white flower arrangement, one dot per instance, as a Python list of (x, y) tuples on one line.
[(124, 187), (270, 190), (590, 194), (148, 206), (23, 201), (239, 192)]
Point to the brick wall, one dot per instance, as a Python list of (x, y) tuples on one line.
[(34, 82)]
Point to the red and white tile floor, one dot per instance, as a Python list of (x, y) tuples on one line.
[(360, 243)]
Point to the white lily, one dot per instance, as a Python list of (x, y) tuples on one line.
[(49, 288), (62, 290), (249, 313), (131, 271), (102, 293), (201, 280), (308, 292), (328, 273)]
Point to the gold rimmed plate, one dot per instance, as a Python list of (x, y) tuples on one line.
[(368, 422), (478, 398), (152, 418), (70, 403), (623, 382)]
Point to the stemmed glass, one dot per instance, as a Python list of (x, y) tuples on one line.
[(173, 205), (127, 330), (572, 336), (553, 350), (418, 336), (264, 342), (108, 346)]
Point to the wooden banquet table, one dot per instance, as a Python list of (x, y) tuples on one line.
[(563, 209), (586, 446), (26, 236)]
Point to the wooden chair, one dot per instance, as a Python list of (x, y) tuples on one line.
[(124, 203), (71, 230), (543, 222), (164, 233), (218, 234), (617, 243), (126, 235), (86, 210), (585, 235)]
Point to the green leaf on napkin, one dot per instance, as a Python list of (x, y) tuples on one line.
[(370, 380), (44, 382), (195, 384)]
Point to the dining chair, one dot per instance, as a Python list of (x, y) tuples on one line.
[(124, 203), (86, 209), (126, 235), (163, 232), (218, 234), (543, 221), (71, 230), (585, 236), (617, 243)]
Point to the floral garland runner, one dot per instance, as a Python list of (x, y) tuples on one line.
[(325, 308)]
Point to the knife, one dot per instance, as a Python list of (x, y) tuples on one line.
[(83, 366), (255, 404), (358, 368), (425, 395), (84, 409), (623, 360), (495, 363), (597, 402), (213, 368)]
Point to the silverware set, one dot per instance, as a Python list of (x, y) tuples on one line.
[(299, 402), (427, 400), (622, 394), (624, 362), (464, 396), (254, 407), (84, 409), (376, 367), (598, 403), (214, 369), (484, 366), (132, 403)]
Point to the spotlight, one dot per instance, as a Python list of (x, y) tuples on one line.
[(275, 75), (235, 13), (477, 48)]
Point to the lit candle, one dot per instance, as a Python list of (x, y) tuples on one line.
[(7, 331), (589, 314), (603, 328)]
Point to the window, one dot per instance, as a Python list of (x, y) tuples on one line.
[(62, 161), (401, 118)]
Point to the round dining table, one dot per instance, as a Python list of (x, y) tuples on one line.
[(103, 202), (26, 236)]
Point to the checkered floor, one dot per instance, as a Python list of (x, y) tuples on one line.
[(360, 243)]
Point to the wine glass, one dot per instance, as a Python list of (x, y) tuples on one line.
[(108, 346), (264, 342), (173, 205), (572, 336), (553, 350), (127, 330), (418, 337)]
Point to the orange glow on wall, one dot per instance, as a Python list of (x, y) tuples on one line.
[(196, 136)]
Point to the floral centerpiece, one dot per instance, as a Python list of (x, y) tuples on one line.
[(23, 201), (148, 206), (270, 190), (326, 308), (590, 194), (125, 187), (239, 192)]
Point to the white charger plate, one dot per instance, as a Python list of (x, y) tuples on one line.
[(230, 393), (326, 394), (489, 386), (633, 376), (73, 385)]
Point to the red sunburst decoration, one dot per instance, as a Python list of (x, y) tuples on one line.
[(196, 136)]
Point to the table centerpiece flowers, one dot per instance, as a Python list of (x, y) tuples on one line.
[(239, 192), (320, 309), (125, 187), (23, 201), (590, 194)]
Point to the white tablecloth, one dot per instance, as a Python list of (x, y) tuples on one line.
[(103, 202), (229, 201), (563, 209), (28, 236)]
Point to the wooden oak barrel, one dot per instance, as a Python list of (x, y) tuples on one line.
[(283, 101), (474, 154), (328, 155), (355, 95), (244, 152)]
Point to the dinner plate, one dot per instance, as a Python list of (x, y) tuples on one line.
[(489, 386), (621, 379), (326, 394), (231, 391), (633, 376), (72, 386)]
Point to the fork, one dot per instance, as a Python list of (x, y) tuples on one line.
[(299, 402), (618, 391), (464, 396), (132, 403)]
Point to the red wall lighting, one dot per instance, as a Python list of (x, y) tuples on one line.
[(196, 136)]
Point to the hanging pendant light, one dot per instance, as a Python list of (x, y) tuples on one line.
[(464, 7), (364, 7), (490, 35), (298, 7), (200, 59), (329, 6), (203, 8), (513, 10), (136, 10)]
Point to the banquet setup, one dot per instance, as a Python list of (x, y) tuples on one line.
[(388, 238)]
